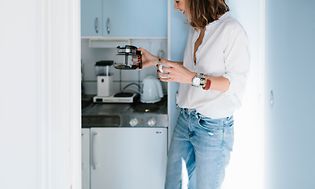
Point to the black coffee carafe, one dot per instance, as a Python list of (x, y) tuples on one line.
[(132, 58)]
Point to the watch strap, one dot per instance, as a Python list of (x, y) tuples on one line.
[(202, 79)]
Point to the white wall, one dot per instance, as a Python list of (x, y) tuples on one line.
[(19, 107), (40, 94), (246, 168)]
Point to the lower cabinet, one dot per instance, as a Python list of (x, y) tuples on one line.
[(127, 158), (85, 141)]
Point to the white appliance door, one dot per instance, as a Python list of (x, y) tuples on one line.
[(128, 158)]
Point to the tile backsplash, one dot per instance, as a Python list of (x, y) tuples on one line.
[(89, 56)]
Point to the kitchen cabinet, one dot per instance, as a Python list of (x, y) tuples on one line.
[(91, 18), (85, 142), (128, 158), (124, 18)]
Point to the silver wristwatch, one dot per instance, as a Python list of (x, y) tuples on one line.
[(199, 80)]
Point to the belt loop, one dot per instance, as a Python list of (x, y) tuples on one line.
[(198, 115)]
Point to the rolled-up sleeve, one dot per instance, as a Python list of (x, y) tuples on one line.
[(237, 61)]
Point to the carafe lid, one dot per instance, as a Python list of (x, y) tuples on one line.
[(126, 50), (104, 63)]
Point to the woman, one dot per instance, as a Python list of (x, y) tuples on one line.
[(212, 80)]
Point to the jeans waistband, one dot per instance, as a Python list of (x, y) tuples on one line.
[(187, 110), (199, 115)]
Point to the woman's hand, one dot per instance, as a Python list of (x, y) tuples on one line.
[(148, 59), (175, 72)]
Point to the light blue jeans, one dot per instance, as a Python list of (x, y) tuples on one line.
[(205, 145)]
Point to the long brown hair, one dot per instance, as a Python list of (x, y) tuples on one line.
[(203, 12)]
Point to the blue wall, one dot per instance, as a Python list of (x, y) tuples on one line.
[(290, 68), (177, 35)]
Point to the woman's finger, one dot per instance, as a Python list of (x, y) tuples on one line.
[(165, 79), (163, 75), (167, 70)]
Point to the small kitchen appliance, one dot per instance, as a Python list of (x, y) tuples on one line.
[(105, 85), (129, 57), (151, 90), (104, 78)]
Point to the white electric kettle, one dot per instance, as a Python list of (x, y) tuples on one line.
[(151, 90)]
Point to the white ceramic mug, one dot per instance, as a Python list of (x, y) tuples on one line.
[(160, 68)]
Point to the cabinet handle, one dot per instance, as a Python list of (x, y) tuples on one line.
[(92, 151), (108, 26), (271, 98), (96, 24)]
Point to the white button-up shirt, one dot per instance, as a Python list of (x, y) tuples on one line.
[(223, 52)]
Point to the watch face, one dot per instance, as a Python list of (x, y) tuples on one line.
[(196, 81)]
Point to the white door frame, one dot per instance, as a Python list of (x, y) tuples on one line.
[(60, 91)]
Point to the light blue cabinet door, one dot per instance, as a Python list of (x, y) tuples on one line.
[(91, 17), (290, 91), (135, 18)]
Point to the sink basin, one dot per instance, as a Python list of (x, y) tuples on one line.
[(145, 108), (106, 109)]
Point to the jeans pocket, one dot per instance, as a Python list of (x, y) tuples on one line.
[(211, 131), (229, 134), (210, 124)]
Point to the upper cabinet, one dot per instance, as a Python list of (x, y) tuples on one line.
[(91, 18), (124, 18)]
